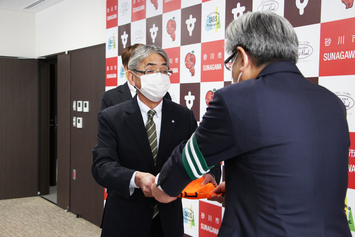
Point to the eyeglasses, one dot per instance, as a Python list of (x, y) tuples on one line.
[(230, 60), (147, 72)]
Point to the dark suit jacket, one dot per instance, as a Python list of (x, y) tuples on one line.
[(115, 96), (118, 95), (285, 142), (122, 149)]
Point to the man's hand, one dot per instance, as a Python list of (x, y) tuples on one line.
[(160, 195), (208, 179), (145, 181), (219, 189)]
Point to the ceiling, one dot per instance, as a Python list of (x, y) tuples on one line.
[(32, 6)]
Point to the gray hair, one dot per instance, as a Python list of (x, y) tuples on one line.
[(265, 36), (142, 52)]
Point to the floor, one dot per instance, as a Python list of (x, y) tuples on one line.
[(52, 196), (36, 216)]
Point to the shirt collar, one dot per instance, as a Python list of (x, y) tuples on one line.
[(131, 89), (144, 108)]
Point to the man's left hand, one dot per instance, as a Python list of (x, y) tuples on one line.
[(208, 179)]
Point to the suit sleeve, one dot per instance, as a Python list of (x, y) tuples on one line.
[(106, 168), (216, 172), (212, 143)]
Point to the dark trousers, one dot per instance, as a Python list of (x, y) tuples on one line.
[(156, 229)]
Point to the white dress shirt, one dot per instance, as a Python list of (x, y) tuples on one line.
[(157, 120)]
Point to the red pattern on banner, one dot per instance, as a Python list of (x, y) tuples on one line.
[(111, 71), (171, 5), (212, 61), (111, 13), (138, 10), (210, 219), (174, 57), (337, 48)]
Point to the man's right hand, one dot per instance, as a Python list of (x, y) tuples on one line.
[(219, 189), (160, 195), (145, 181)]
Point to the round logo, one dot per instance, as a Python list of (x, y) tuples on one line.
[(124, 8), (347, 100), (138, 36), (269, 6), (304, 51)]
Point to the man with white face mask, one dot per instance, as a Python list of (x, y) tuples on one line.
[(127, 157), (125, 91)]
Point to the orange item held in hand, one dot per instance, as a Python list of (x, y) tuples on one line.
[(194, 190)]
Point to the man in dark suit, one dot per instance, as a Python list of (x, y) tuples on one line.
[(125, 91), (126, 160), (122, 92), (284, 140)]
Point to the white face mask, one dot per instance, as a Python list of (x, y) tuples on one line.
[(154, 86), (240, 74)]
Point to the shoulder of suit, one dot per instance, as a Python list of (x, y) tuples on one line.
[(121, 107), (109, 93), (114, 90), (176, 106)]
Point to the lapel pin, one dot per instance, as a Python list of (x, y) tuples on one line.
[(172, 121)]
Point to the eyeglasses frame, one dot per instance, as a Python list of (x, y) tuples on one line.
[(232, 56), (170, 72)]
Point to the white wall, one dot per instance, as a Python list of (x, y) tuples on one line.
[(68, 25), (17, 34)]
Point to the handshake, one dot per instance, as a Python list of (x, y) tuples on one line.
[(146, 182)]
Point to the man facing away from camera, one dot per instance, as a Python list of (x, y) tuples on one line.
[(284, 140)]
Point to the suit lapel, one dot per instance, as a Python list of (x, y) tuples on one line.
[(166, 132), (135, 123)]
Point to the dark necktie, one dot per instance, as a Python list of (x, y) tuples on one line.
[(152, 135), (152, 138)]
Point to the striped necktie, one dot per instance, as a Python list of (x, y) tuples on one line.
[(152, 135)]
